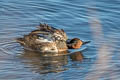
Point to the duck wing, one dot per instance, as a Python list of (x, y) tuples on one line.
[(58, 33), (46, 28)]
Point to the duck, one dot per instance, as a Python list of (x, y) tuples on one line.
[(49, 39)]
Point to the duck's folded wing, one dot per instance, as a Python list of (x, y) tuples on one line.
[(46, 27)]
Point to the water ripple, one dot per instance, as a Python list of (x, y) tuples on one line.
[(10, 48)]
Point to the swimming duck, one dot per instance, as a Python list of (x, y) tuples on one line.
[(48, 39)]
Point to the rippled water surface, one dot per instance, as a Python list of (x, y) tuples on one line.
[(94, 20)]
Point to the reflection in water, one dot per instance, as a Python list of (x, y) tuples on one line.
[(102, 66), (42, 64), (77, 56)]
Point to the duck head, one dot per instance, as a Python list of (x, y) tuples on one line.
[(75, 43)]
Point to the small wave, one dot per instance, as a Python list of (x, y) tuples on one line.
[(10, 48)]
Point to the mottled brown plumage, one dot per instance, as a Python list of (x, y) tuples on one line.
[(48, 39), (45, 39)]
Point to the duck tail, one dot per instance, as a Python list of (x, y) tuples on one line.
[(20, 40)]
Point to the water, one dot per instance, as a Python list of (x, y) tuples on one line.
[(96, 20)]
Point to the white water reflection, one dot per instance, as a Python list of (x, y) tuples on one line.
[(103, 65)]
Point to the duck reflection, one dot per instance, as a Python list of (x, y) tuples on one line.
[(42, 63), (77, 56)]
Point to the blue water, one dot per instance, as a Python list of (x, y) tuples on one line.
[(95, 20)]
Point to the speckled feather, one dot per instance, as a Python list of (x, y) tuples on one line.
[(44, 39)]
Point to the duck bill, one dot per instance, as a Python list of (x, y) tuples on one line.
[(86, 42)]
